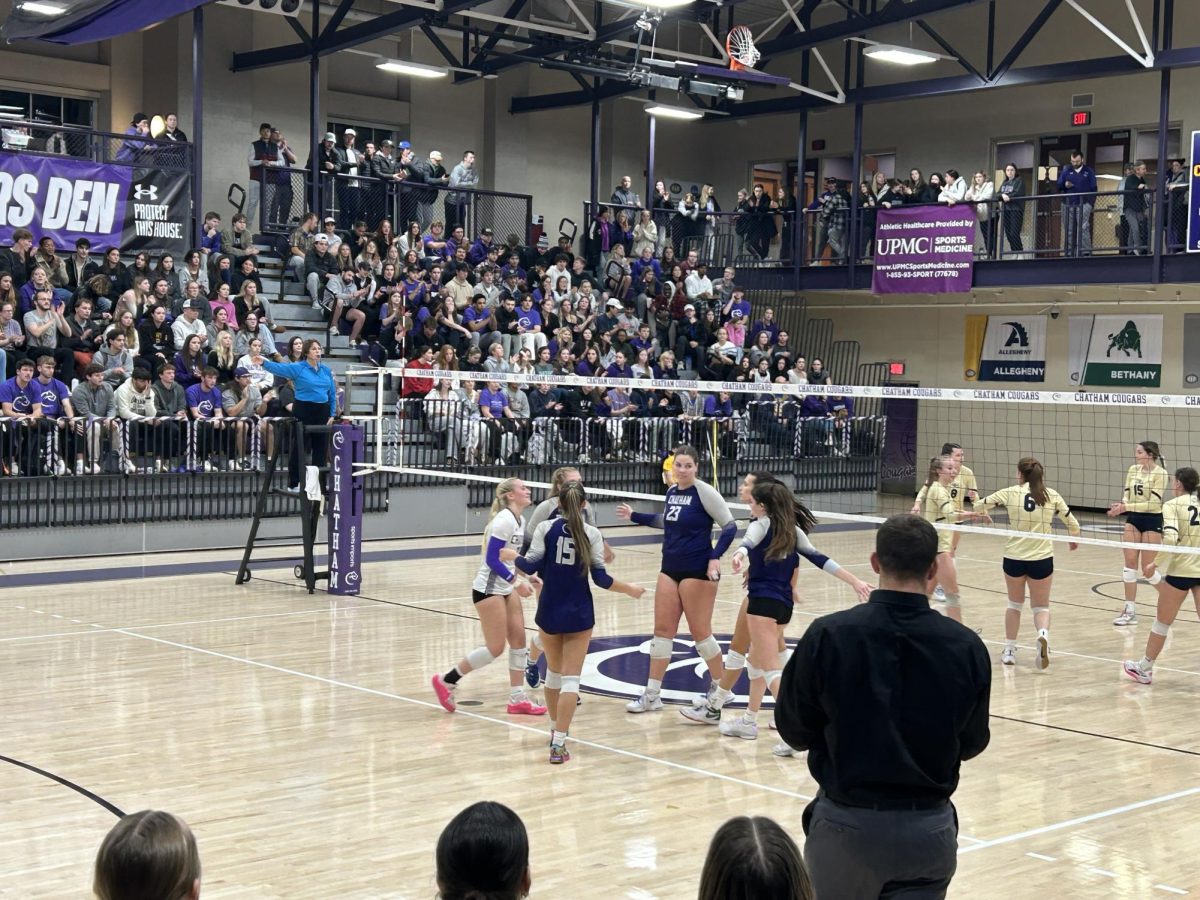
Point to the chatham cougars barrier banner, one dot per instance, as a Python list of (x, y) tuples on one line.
[(110, 205), (924, 250)]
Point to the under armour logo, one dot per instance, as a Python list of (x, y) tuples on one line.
[(142, 193)]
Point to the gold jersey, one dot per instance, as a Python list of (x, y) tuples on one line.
[(1144, 491), (940, 510), (1181, 528), (1026, 516), (963, 483)]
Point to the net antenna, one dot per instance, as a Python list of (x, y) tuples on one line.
[(739, 44)]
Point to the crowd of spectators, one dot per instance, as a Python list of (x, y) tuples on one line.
[(145, 366)]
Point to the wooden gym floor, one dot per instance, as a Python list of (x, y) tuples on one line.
[(299, 737)]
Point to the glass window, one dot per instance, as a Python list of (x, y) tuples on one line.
[(78, 112)]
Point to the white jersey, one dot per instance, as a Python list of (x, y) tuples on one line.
[(510, 529)]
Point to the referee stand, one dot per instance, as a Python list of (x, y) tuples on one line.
[(343, 496)]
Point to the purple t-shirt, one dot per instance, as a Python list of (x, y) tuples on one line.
[(528, 318), (207, 402), (52, 396), (495, 402), (22, 399)]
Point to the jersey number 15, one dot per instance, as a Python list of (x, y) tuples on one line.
[(564, 552)]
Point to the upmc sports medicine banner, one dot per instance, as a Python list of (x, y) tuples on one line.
[(1116, 350), (345, 511), (111, 206), (924, 250), (1005, 348), (1193, 227)]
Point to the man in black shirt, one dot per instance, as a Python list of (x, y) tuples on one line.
[(888, 698)]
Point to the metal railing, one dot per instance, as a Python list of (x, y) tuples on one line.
[(284, 195), (1067, 226), (78, 142), (740, 238)]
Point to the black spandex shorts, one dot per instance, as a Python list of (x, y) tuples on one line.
[(770, 608), (1180, 583), (678, 577), (1145, 522), (1035, 569), (476, 596)]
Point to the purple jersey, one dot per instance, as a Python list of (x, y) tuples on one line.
[(565, 605), (205, 402), (52, 395), (21, 398)]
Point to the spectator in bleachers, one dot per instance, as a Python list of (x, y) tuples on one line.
[(135, 407), (92, 400), (767, 323), (319, 269), (222, 357), (252, 328), (86, 336), (218, 326), (208, 434), (954, 190), (980, 192), (46, 257), (55, 400), (219, 298), (799, 371), (816, 371), (761, 351), (19, 402), (12, 338), (1178, 187), (165, 268), (1012, 192), (46, 330), (1078, 180), (238, 240), (17, 259), (80, 266), (299, 243), (39, 280), (189, 324), (243, 403), (114, 357), (193, 269), (735, 329), (148, 854), (463, 175), (190, 361)]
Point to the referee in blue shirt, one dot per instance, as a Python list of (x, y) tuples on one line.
[(888, 698), (315, 404)]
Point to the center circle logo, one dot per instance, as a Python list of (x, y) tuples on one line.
[(618, 666)]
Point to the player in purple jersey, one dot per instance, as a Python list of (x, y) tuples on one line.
[(691, 567), (565, 551)]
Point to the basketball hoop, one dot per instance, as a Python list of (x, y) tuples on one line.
[(740, 46)]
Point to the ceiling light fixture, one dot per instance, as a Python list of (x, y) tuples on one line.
[(43, 9), (416, 70), (674, 112), (665, 4), (897, 54)]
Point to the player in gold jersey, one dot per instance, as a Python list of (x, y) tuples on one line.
[(1180, 571), (962, 489), (1029, 561), (1145, 489), (941, 509)]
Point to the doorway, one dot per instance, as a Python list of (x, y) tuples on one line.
[(1054, 153)]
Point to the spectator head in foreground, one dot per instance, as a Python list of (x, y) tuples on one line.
[(483, 853), (148, 855), (752, 858), (905, 556)]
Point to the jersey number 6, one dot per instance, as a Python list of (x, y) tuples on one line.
[(1030, 503)]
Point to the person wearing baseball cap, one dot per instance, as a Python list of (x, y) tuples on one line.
[(348, 188)]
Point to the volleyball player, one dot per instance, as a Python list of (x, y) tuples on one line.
[(691, 568), (940, 508), (497, 596), (708, 711), (1181, 528), (565, 551), (1145, 487), (547, 509), (963, 488), (1029, 561)]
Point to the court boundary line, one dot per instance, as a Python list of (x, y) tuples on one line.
[(334, 682)]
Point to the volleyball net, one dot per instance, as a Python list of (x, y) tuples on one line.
[(854, 453)]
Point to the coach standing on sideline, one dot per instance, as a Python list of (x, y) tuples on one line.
[(888, 698)]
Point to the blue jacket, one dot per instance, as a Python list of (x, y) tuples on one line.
[(312, 385), (1081, 182)]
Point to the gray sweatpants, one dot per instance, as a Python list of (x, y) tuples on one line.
[(867, 854)]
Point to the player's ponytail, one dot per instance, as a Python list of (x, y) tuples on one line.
[(780, 507), (1035, 477), (1151, 447), (571, 502), (1189, 478), (935, 469), (805, 520)]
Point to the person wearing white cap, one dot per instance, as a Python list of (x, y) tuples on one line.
[(464, 175), (349, 160), (327, 164), (431, 172)]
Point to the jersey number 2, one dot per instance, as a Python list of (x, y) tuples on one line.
[(1030, 503), (1195, 519), (564, 552)]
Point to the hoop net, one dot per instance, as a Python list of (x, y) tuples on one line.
[(852, 470), (739, 44)]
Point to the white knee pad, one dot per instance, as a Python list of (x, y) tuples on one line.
[(536, 640), (553, 680), (1014, 605), (753, 672), (570, 684), (784, 656), (1160, 628), (517, 659), (1045, 608), (735, 660), (1128, 575), (1155, 578), (480, 657), (772, 676), (953, 601), (660, 647), (708, 648)]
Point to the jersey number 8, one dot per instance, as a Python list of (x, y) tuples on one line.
[(564, 552)]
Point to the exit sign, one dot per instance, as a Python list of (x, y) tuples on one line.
[(896, 368), (1080, 119)]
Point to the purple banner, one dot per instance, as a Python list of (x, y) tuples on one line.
[(345, 511), (898, 472), (112, 206), (924, 250)]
